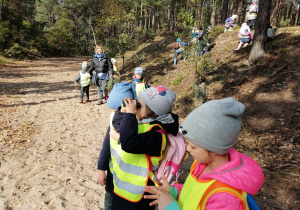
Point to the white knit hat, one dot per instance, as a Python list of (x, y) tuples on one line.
[(138, 70), (113, 60), (84, 65)]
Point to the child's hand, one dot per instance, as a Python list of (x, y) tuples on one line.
[(164, 185), (163, 199), (101, 178), (130, 105), (114, 134)]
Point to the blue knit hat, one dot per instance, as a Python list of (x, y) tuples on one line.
[(118, 93), (138, 70), (178, 40)]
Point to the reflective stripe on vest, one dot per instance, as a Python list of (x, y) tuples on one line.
[(132, 171), (195, 192), (85, 79), (139, 86)]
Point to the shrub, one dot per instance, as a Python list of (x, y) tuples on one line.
[(177, 80), (216, 31)]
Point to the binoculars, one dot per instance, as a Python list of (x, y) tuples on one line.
[(138, 105)]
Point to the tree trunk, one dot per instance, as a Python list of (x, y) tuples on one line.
[(261, 27), (297, 12), (213, 14), (153, 21), (169, 19), (224, 10), (278, 11), (1, 7), (239, 12), (231, 10), (141, 21), (290, 11)]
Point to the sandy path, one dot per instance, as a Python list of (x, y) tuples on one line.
[(59, 170)]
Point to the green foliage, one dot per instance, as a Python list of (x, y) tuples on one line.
[(19, 52), (185, 20), (60, 37), (216, 31), (203, 68), (284, 23), (118, 46), (5, 34), (177, 80), (139, 58)]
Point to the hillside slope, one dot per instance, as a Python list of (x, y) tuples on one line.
[(270, 91)]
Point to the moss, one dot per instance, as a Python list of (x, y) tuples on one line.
[(177, 80)]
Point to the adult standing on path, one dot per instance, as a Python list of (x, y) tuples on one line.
[(103, 67)]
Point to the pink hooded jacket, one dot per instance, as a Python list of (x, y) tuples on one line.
[(241, 172)]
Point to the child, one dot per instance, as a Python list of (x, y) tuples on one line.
[(220, 175), (85, 81), (137, 149), (270, 33), (138, 83), (245, 35), (229, 23), (119, 91), (178, 49), (252, 13), (203, 41), (115, 67)]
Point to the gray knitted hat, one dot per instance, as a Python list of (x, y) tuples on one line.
[(214, 125), (159, 99)]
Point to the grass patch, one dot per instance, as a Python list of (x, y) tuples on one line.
[(4, 60), (177, 80)]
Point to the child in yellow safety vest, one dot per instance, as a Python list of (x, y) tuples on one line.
[(137, 145), (115, 68), (85, 80), (220, 177), (138, 83)]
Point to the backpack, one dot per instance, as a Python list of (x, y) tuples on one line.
[(172, 156), (253, 8), (176, 46)]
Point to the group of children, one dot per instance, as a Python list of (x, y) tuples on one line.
[(84, 78), (220, 177)]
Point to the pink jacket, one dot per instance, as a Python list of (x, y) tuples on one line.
[(242, 172)]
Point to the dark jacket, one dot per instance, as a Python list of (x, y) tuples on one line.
[(102, 65), (147, 143)]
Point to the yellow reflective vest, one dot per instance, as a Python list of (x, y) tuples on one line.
[(195, 192), (132, 171), (85, 79), (139, 86)]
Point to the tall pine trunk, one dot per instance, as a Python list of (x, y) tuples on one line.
[(224, 10), (297, 13), (213, 14), (261, 27)]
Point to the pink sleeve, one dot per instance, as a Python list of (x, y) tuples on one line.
[(251, 36), (224, 201), (179, 188)]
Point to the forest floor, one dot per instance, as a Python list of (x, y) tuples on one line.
[(50, 143)]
